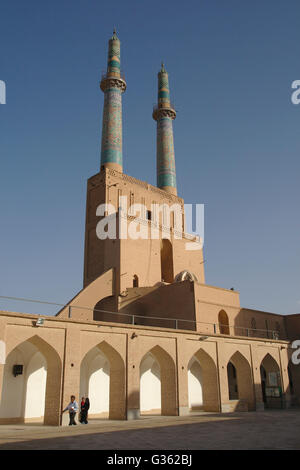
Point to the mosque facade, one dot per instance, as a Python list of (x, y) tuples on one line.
[(146, 334)]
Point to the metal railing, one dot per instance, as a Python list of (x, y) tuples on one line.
[(203, 328)]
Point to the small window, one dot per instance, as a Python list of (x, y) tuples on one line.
[(223, 323), (149, 215), (135, 281)]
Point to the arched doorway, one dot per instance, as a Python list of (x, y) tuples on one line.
[(202, 383), (102, 380), (270, 382), (166, 260), (158, 386), (240, 381), (31, 384), (223, 323)]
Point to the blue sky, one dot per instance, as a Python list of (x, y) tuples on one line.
[(237, 145)]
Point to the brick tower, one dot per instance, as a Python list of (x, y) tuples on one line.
[(121, 269)]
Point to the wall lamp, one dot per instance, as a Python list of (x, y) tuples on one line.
[(133, 336), (202, 338), (40, 322)]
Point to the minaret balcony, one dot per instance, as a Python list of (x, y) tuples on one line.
[(113, 80), (163, 110)]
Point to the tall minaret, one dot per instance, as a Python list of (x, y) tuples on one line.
[(113, 85), (164, 113)]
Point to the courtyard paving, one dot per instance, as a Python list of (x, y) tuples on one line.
[(274, 429)]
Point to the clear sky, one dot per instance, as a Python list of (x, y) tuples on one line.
[(237, 135)]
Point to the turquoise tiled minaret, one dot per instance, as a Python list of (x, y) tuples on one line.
[(113, 85), (164, 113)]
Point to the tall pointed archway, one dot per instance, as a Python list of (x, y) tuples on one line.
[(102, 379), (31, 392), (203, 383), (158, 376), (271, 382), (240, 380)]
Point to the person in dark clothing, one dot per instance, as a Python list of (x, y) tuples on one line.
[(84, 411)]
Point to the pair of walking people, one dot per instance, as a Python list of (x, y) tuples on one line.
[(73, 408)]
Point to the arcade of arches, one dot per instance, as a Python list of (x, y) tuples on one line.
[(130, 371)]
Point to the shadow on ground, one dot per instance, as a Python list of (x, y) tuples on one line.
[(265, 430)]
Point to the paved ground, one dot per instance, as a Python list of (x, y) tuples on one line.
[(261, 430)]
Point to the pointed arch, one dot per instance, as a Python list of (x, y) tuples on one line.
[(271, 382), (167, 379), (244, 379), (204, 382), (116, 373), (270, 362), (18, 390)]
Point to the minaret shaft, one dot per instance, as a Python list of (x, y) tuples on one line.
[(113, 85), (111, 146), (164, 114), (166, 173)]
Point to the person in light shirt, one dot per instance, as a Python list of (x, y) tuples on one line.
[(72, 408)]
